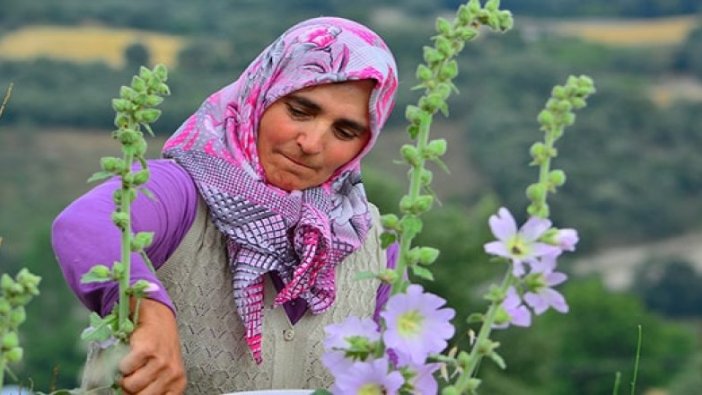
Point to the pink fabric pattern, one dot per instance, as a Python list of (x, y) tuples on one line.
[(300, 235)]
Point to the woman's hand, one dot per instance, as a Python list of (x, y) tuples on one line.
[(154, 364)]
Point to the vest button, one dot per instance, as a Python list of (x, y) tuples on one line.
[(288, 334)]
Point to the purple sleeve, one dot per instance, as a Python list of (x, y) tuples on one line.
[(383, 293), (83, 234)]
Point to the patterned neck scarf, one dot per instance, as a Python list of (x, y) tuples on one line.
[(299, 235)]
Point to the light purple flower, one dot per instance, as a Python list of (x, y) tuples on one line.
[(518, 245), (567, 239), (423, 381), (369, 378), (540, 295), (518, 314), (416, 325), (334, 357)]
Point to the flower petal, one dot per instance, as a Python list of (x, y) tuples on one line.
[(534, 228), (497, 248), (502, 224)]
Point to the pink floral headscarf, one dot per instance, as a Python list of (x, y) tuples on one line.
[(299, 235)]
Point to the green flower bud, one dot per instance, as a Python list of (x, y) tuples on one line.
[(413, 114), (163, 90), (161, 72), (428, 255), (443, 44), (121, 105), (120, 219), (112, 164), (474, 6), (466, 33), (536, 192), (127, 326), (492, 5), (10, 341), (141, 177), (128, 136), (413, 131), (127, 93), (436, 148), (426, 177), (545, 118), (448, 71), (121, 120), (145, 73), (431, 103), (556, 177), (142, 240), (153, 100), (389, 221), (443, 26), (424, 203), (432, 56), (101, 271), (559, 92), (569, 119), (564, 106), (4, 307), (549, 237), (6, 282), (506, 20), (451, 390), (577, 103), (406, 204), (14, 355), (17, 316), (540, 210), (501, 316), (424, 73), (387, 276), (138, 84), (149, 115), (410, 154)]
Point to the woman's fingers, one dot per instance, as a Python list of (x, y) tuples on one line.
[(154, 364)]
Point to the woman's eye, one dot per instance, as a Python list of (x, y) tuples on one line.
[(296, 113), (344, 134)]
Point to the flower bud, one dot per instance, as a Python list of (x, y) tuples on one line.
[(163, 90), (425, 177), (111, 164), (436, 148), (10, 341), (424, 73), (432, 56), (428, 255), (389, 221), (413, 114), (545, 118), (128, 93), (127, 326), (556, 177), (149, 115), (17, 316), (387, 276), (120, 219), (578, 103), (153, 100), (424, 203), (413, 131), (121, 105), (536, 192), (564, 106), (145, 73), (410, 154), (161, 72), (443, 45), (141, 177), (138, 84), (406, 204), (569, 119), (14, 355), (6, 282), (506, 20), (451, 390), (121, 120), (443, 26), (448, 71), (4, 307), (128, 136), (101, 271)]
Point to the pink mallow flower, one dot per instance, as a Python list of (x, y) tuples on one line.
[(518, 245), (337, 341), (367, 378), (540, 295), (512, 311), (416, 324)]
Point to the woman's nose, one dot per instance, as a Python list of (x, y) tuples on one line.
[(310, 140)]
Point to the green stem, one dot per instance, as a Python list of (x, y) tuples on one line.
[(6, 99), (485, 330), (2, 372), (125, 207), (636, 363), (414, 191)]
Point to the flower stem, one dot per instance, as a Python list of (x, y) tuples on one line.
[(2, 373), (125, 207), (4, 102), (485, 329)]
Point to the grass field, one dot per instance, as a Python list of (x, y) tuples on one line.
[(630, 32), (88, 44)]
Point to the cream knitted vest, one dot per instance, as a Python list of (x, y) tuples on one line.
[(216, 357)]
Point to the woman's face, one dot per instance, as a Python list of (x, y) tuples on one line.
[(305, 136)]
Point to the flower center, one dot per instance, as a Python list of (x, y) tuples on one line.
[(371, 389), (409, 324), (535, 282), (517, 247)]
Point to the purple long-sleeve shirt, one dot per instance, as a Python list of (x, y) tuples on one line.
[(83, 235)]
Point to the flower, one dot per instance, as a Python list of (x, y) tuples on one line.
[(513, 311), (422, 378), (368, 378), (566, 239), (518, 245), (416, 325), (540, 296), (340, 337)]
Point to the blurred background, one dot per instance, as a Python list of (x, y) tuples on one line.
[(632, 159)]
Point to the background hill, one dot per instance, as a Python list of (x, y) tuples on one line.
[(632, 158)]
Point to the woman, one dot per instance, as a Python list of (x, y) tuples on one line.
[(259, 204)]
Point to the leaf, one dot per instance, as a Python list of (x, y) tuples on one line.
[(148, 129), (499, 361), (386, 239), (99, 176), (422, 272)]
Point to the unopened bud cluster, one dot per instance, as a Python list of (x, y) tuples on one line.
[(556, 116), (15, 294)]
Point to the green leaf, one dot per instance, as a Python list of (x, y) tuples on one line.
[(97, 274), (386, 239), (499, 361), (422, 272), (475, 318), (99, 176)]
